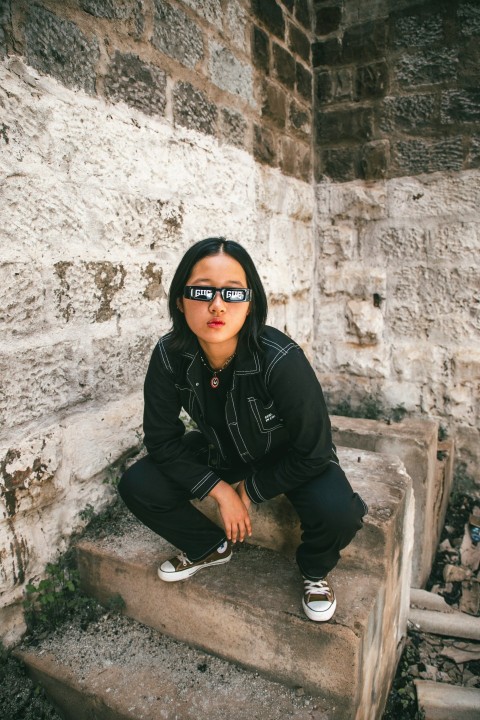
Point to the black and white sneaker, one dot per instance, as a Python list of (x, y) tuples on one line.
[(181, 568), (319, 601)]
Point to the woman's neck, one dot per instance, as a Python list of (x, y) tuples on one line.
[(217, 355)]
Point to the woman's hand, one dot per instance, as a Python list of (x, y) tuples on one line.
[(233, 511), (242, 493)]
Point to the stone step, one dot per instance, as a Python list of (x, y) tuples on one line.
[(428, 462), (249, 611), (117, 669)]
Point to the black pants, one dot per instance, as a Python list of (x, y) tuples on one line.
[(330, 514)]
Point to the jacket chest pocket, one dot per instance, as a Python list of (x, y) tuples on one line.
[(266, 416)]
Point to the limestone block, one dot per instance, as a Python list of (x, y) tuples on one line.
[(461, 402), (406, 394), (352, 200), (393, 242), (211, 10), (37, 381), (329, 322), (339, 241), (372, 361), (57, 47), (97, 291), (436, 195), (94, 440), (229, 73), (415, 443), (283, 195), (236, 23), (22, 309), (27, 472), (455, 242), (119, 363), (138, 84), (355, 282), (419, 362), (466, 365), (365, 321), (467, 445), (176, 35)]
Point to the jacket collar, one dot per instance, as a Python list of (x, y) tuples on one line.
[(247, 362)]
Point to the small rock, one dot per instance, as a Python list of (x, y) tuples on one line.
[(456, 573), (470, 600), (430, 673), (299, 691), (446, 546), (449, 529)]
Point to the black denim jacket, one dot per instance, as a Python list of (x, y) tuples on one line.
[(275, 412)]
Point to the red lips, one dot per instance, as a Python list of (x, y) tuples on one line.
[(215, 323)]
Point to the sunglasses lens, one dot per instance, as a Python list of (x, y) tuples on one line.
[(201, 293), (234, 295)]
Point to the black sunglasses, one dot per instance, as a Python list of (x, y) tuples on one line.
[(205, 293)]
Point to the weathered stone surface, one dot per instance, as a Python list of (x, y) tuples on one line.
[(299, 43), (264, 148), (415, 443), (430, 67), (229, 74), (374, 619), (57, 47), (327, 19), (237, 24), (417, 30), (114, 680), (270, 14), (138, 84), (274, 104), (99, 202), (192, 109), (303, 81), (302, 13), (284, 65), (337, 125), (130, 10), (260, 49), (371, 81), (233, 127), (409, 113), (211, 10), (300, 119), (176, 34)]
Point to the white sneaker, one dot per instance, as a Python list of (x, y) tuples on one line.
[(181, 568), (318, 601)]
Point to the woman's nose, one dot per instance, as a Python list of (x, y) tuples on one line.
[(218, 303)]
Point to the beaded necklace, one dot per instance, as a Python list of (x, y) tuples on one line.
[(215, 380)]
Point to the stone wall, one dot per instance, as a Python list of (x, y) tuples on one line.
[(120, 147), (397, 110)]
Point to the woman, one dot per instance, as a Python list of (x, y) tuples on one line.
[(263, 428)]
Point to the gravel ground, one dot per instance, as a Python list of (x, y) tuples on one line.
[(430, 657), (425, 656)]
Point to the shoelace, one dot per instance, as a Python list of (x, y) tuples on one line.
[(184, 559), (316, 587)]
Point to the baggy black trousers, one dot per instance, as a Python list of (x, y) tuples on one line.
[(330, 512)]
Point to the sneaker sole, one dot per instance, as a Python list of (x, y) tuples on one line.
[(188, 572), (319, 616)]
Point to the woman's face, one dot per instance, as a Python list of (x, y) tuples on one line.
[(217, 323)]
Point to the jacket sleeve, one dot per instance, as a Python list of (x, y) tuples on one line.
[(164, 432), (299, 400)]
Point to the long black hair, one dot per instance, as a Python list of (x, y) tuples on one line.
[(255, 321)]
